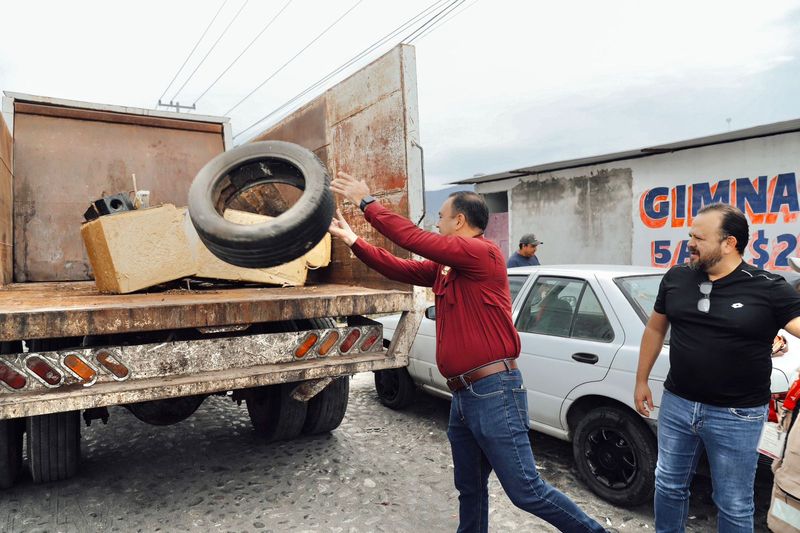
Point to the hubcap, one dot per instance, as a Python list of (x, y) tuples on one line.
[(611, 458)]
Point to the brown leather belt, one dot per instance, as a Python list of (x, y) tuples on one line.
[(468, 378)]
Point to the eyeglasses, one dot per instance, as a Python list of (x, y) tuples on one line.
[(704, 303)]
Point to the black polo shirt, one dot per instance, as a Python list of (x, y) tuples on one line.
[(723, 357)]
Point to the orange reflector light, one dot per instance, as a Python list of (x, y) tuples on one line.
[(112, 364), (11, 377), (44, 370), (79, 366), (349, 341), (370, 340), (328, 342), (307, 344)]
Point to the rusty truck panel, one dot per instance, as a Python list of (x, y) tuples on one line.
[(6, 205), (366, 126), (68, 154)]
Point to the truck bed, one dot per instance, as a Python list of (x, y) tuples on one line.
[(66, 309)]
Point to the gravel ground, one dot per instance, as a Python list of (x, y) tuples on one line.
[(382, 470)]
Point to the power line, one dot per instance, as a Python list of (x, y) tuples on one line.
[(445, 21), (211, 49), (410, 37), (278, 14), (342, 67), (193, 49), (315, 39)]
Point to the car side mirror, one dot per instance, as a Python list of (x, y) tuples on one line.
[(430, 313)]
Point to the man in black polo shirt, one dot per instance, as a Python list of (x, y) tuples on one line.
[(724, 315)]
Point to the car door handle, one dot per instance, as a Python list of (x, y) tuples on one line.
[(585, 358)]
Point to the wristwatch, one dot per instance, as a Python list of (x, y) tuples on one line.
[(368, 199)]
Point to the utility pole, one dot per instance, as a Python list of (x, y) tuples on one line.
[(176, 105)]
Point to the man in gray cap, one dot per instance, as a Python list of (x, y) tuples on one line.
[(526, 256)]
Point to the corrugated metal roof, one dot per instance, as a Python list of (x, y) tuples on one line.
[(766, 130)]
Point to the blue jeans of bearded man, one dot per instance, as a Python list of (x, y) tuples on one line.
[(488, 430), (730, 437)]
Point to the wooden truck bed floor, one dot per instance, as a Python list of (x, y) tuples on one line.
[(66, 309)]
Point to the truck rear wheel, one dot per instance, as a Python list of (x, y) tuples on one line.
[(275, 414), (54, 446), (326, 410), (10, 451)]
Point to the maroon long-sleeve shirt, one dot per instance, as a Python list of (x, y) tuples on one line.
[(469, 279)]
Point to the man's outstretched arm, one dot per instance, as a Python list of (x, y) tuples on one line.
[(421, 273)]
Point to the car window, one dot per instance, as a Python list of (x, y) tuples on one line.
[(564, 307), (591, 322), (515, 283), (550, 306), (641, 292)]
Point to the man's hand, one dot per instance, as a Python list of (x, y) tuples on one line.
[(340, 229), (779, 346), (643, 399), (352, 189)]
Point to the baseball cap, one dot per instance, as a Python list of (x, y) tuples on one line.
[(529, 238)]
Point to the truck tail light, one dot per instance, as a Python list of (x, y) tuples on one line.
[(349, 340), (108, 361), (44, 370), (370, 340), (79, 367), (306, 345), (11, 377), (328, 342)]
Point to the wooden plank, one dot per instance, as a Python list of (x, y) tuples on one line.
[(63, 164), (116, 118), (51, 310), (6, 204)]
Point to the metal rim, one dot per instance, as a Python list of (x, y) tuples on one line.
[(611, 458)]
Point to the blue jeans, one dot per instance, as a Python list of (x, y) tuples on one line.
[(730, 437), (488, 431)]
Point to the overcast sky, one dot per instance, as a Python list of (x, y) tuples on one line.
[(502, 84)]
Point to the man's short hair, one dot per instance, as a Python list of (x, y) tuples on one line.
[(472, 206), (734, 223)]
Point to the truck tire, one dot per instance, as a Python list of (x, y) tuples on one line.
[(54, 446), (615, 454), (274, 413), (167, 411), (395, 388), (326, 410), (274, 242), (11, 432)]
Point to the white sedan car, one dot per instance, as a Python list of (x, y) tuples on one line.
[(580, 328)]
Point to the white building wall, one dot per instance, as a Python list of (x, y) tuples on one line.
[(639, 211)]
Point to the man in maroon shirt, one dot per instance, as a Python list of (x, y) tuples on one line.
[(476, 349)]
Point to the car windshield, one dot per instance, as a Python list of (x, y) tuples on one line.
[(641, 292)]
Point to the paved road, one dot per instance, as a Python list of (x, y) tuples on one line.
[(380, 471)]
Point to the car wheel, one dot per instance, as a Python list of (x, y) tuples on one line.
[(395, 388), (276, 241), (274, 413), (615, 453)]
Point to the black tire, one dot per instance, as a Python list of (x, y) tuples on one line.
[(277, 241), (275, 414), (54, 446), (326, 410), (167, 411), (615, 453), (11, 432), (395, 388)]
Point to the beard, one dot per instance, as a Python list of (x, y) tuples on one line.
[(704, 262)]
